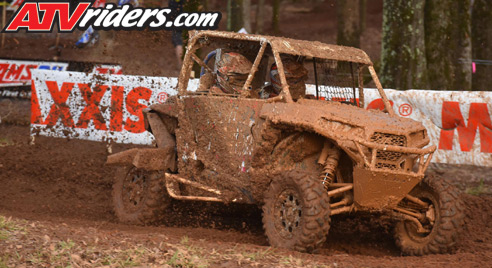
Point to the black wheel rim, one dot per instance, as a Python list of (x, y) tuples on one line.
[(134, 188), (288, 213), (432, 217)]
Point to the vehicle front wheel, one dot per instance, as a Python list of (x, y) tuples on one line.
[(443, 223), (296, 213), (139, 196)]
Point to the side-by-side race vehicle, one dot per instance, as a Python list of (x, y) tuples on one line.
[(280, 123)]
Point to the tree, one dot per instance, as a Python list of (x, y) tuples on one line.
[(276, 16), (260, 16), (234, 15), (403, 63), (362, 17), (348, 20), (448, 44), (463, 45), (247, 15), (482, 44)]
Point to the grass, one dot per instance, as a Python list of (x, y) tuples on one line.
[(65, 246), (38, 251), (258, 255), (478, 190), (7, 226), (187, 255), (4, 142), (4, 261)]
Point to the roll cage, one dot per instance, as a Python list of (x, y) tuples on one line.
[(276, 47)]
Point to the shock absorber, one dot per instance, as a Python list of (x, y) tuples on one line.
[(328, 159)]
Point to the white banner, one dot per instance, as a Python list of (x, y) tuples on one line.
[(105, 107), (94, 106), (458, 122), (18, 72)]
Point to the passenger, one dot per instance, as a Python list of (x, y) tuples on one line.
[(295, 74), (232, 72)]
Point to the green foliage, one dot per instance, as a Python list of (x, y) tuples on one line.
[(478, 190)]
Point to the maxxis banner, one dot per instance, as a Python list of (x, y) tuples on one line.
[(94, 106), (457, 122)]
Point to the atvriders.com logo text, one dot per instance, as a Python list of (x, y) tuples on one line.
[(41, 16)]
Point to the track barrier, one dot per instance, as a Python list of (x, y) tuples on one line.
[(107, 108)]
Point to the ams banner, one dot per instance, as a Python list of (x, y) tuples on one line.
[(107, 108), (18, 72)]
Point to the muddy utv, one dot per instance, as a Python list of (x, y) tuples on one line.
[(280, 123)]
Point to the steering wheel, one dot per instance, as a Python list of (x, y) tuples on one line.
[(206, 60)]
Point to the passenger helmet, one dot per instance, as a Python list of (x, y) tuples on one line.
[(232, 72)]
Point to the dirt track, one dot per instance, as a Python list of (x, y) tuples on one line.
[(64, 186)]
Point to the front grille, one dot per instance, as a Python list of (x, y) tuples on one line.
[(388, 159), (388, 156), (389, 139), (385, 166)]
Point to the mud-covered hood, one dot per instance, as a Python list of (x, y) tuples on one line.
[(317, 114)]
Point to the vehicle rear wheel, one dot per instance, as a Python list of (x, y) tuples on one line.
[(139, 196), (296, 213), (444, 219)]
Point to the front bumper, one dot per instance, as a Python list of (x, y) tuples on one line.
[(403, 158), (382, 183)]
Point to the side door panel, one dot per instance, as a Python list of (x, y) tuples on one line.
[(221, 130)]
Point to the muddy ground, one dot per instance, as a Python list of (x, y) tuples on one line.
[(58, 195), (55, 195)]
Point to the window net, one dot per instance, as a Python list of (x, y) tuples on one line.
[(336, 80)]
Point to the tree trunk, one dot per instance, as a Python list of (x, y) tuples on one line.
[(260, 16), (276, 16), (461, 11), (191, 6), (403, 64), (482, 44), (234, 15), (247, 15), (448, 44), (348, 19), (362, 15)]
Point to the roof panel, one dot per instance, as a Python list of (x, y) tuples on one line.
[(298, 47)]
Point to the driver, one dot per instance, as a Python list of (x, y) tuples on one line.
[(295, 74)]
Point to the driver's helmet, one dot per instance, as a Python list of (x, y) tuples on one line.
[(295, 74), (232, 72)]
